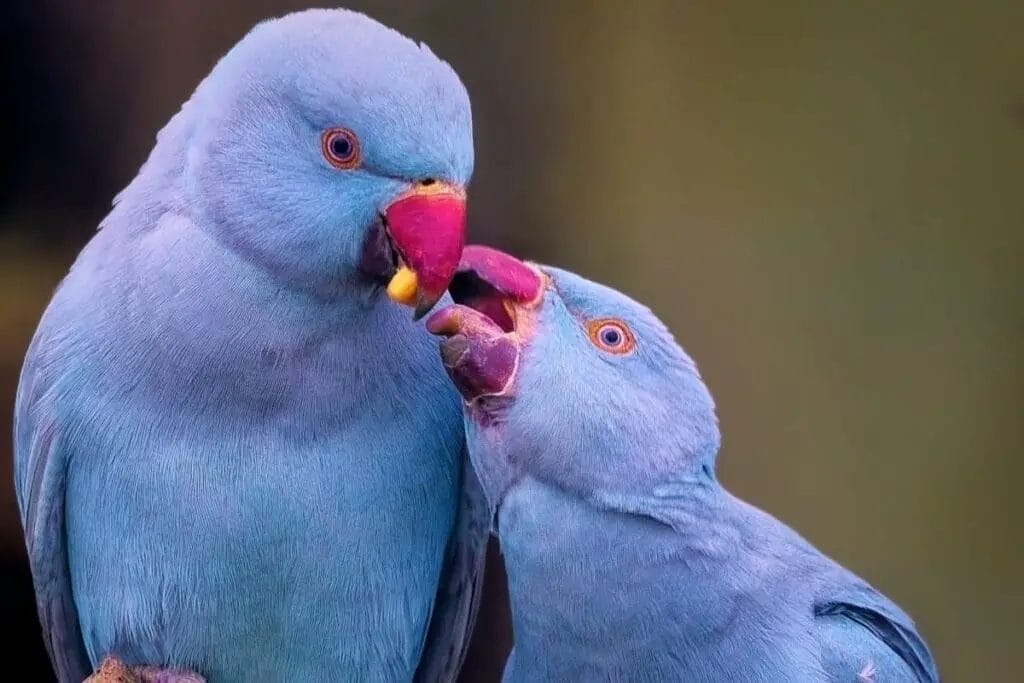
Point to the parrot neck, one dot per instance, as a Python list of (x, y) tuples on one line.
[(606, 572), (238, 336), (594, 591)]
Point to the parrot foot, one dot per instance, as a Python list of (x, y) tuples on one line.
[(113, 670)]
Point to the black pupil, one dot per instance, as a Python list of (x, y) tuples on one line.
[(611, 336), (340, 146)]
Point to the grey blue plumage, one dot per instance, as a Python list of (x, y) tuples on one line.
[(233, 454), (627, 559)]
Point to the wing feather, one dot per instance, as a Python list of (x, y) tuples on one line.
[(458, 595), (40, 469)]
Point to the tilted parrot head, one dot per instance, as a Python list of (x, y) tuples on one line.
[(334, 153), (571, 383)]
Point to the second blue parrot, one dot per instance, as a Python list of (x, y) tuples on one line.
[(595, 440)]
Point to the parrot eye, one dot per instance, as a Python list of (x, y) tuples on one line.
[(611, 335), (340, 147)]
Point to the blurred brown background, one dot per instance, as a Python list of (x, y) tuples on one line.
[(825, 201)]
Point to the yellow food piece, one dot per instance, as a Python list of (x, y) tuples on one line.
[(403, 286)]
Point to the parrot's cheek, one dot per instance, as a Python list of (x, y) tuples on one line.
[(379, 260)]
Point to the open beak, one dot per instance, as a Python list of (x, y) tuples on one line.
[(495, 295), (427, 228)]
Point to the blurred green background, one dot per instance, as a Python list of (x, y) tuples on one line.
[(825, 201)]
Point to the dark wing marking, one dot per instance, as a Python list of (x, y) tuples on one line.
[(458, 594), (885, 621), (40, 466)]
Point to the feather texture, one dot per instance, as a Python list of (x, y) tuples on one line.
[(233, 455), (627, 559)]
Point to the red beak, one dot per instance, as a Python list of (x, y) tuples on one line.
[(428, 229)]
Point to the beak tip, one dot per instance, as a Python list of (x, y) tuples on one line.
[(424, 306)]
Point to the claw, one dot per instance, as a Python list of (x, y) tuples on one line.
[(113, 670)]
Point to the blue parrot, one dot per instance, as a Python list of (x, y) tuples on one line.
[(595, 441), (234, 455)]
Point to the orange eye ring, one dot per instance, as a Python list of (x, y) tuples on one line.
[(340, 147), (611, 335)]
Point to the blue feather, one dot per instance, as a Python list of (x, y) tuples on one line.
[(626, 557), (233, 455)]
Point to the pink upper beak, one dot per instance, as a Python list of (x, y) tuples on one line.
[(428, 229)]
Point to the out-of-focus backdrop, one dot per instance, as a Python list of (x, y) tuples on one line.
[(825, 201)]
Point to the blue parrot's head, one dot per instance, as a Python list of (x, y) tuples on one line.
[(331, 150), (571, 382)]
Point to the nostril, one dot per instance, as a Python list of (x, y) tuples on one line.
[(428, 181)]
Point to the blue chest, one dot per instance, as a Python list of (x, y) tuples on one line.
[(286, 538), (625, 599), (259, 486)]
